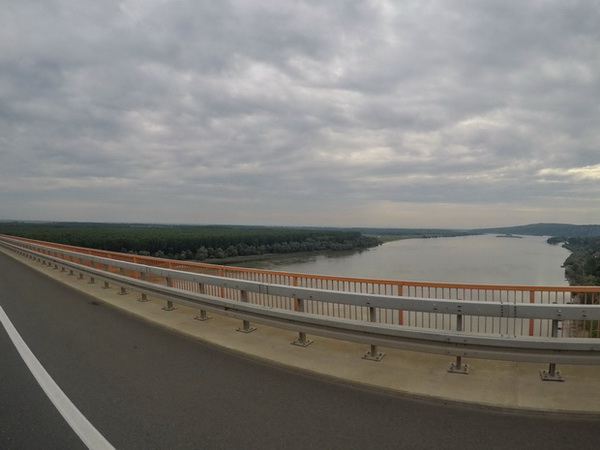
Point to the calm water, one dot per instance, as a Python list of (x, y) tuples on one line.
[(471, 259)]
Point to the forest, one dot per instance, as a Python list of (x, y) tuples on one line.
[(582, 267), (191, 242)]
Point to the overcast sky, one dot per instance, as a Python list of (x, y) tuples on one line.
[(446, 113)]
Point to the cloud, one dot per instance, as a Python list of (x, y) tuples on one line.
[(299, 112), (574, 173)]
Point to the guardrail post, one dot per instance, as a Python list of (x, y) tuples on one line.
[(169, 306), (301, 341), (552, 374), (123, 291), (246, 328), (144, 297), (458, 366), (203, 315), (373, 354), (106, 285)]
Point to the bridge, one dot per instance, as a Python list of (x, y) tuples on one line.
[(490, 345)]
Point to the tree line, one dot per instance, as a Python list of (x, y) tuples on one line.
[(192, 242), (582, 267)]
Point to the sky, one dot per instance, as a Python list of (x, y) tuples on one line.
[(442, 114)]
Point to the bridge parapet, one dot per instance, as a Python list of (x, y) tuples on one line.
[(526, 323)]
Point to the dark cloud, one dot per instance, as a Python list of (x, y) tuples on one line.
[(333, 113)]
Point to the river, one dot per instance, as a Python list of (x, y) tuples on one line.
[(485, 259)]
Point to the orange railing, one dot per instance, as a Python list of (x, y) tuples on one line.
[(510, 294)]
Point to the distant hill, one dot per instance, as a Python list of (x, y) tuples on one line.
[(564, 230), (546, 229)]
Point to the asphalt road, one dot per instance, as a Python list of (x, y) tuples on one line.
[(144, 388)]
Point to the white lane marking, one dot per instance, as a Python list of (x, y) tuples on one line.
[(84, 429)]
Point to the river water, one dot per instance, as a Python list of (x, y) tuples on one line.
[(486, 259)]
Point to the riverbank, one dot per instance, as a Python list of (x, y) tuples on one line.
[(582, 267), (269, 257), (283, 258)]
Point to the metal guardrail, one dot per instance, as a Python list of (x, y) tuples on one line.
[(500, 326), (209, 295)]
